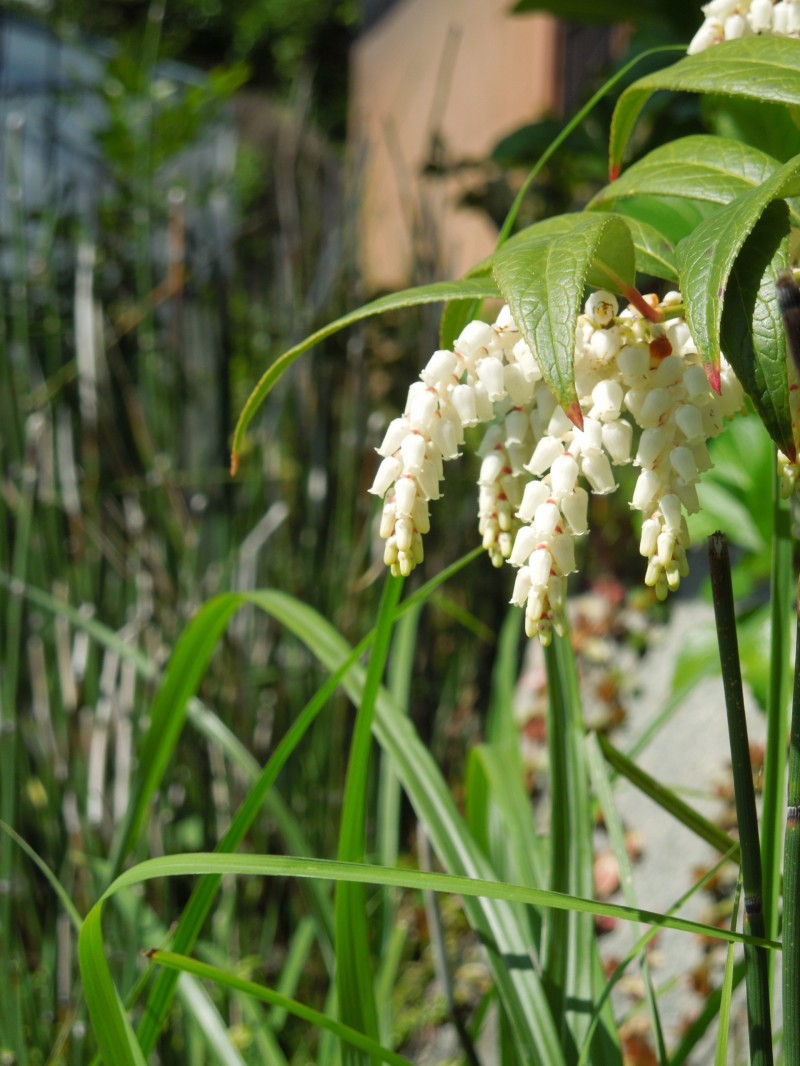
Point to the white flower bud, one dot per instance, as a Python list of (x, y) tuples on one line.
[(665, 546), (575, 509), (597, 471), (546, 519), (633, 363), (682, 462), (536, 492), (493, 438), (607, 397), (760, 16), (404, 532), (421, 515), (651, 445), (649, 538), (474, 336), (428, 480), (617, 440), (412, 452), (516, 426), (735, 26), (559, 425), (519, 388), (695, 382), (669, 372), (547, 450), (648, 486), (671, 510), (562, 549), (405, 492), (656, 403), (490, 375), (440, 368), (387, 473), (710, 33), (524, 359), (422, 410), (522, 586), (563, 474), (464, 403), (396, 432), (491, 468), (688, 497), (541, 563), (690, 422), (605, 344), (483, 404), (524, 543)]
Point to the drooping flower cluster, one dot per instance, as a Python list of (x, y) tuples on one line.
[(725, 20), (537, 468)]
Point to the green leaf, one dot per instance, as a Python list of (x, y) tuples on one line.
[(706, 259), (654, 253), (542, 273), (467, 289), (758, 68), (751, 329), (712, 169)]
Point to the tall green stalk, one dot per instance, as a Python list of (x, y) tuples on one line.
[(791, 883), (756, 958)]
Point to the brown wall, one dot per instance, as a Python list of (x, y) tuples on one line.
[(466, 70)]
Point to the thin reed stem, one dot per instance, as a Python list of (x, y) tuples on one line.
[(756, 959), (791, 881)]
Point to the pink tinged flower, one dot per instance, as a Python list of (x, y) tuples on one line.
[(396, 432), (648, 487), (412, 452), (575, 509), (617, 441), (547, 450), (490, 375), (463, 397), (563, 474), (524, 543), (493, 438), (536, 492), (597, 471), (522, 586), (388, 472)]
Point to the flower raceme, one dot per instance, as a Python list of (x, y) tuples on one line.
[(645, 399), (725, 20)]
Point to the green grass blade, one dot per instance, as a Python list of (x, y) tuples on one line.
[(183, 964), (726, 991), (354, 982), (64, 897)]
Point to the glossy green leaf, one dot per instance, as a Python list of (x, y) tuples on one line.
[(711, 169), (469, 289), (654, 253), (542, 273), (751, 329), (706, 259), (758, 68)]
